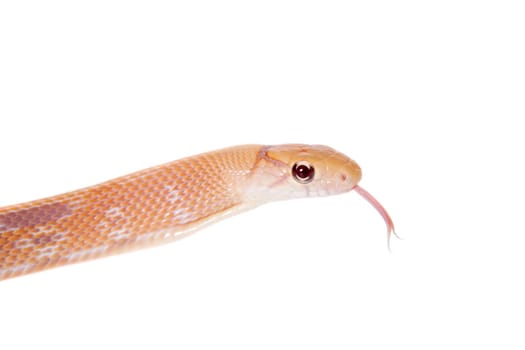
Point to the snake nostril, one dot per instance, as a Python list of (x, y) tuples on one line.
[(343, 177)]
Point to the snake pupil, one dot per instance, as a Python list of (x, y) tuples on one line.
[(303, 172)]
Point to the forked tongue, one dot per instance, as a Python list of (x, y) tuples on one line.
[(381, 210)]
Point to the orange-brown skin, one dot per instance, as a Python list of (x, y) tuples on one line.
[(163, 203)]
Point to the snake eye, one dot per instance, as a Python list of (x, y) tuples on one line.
[(303, 172)]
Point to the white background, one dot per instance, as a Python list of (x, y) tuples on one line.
[(428, 97)]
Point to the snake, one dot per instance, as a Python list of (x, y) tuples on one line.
[(167, 202)]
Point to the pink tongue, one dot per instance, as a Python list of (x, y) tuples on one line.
[(381, 210)]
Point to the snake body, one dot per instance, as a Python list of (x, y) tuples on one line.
[(166, 202)]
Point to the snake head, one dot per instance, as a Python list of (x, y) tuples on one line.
[(296, 170)]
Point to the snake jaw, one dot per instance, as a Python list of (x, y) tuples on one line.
[(382, 211)]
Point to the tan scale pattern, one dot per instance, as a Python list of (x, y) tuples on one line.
[(163, 203), (126, 213)]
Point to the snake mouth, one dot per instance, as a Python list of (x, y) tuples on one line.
[(381, 210)]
